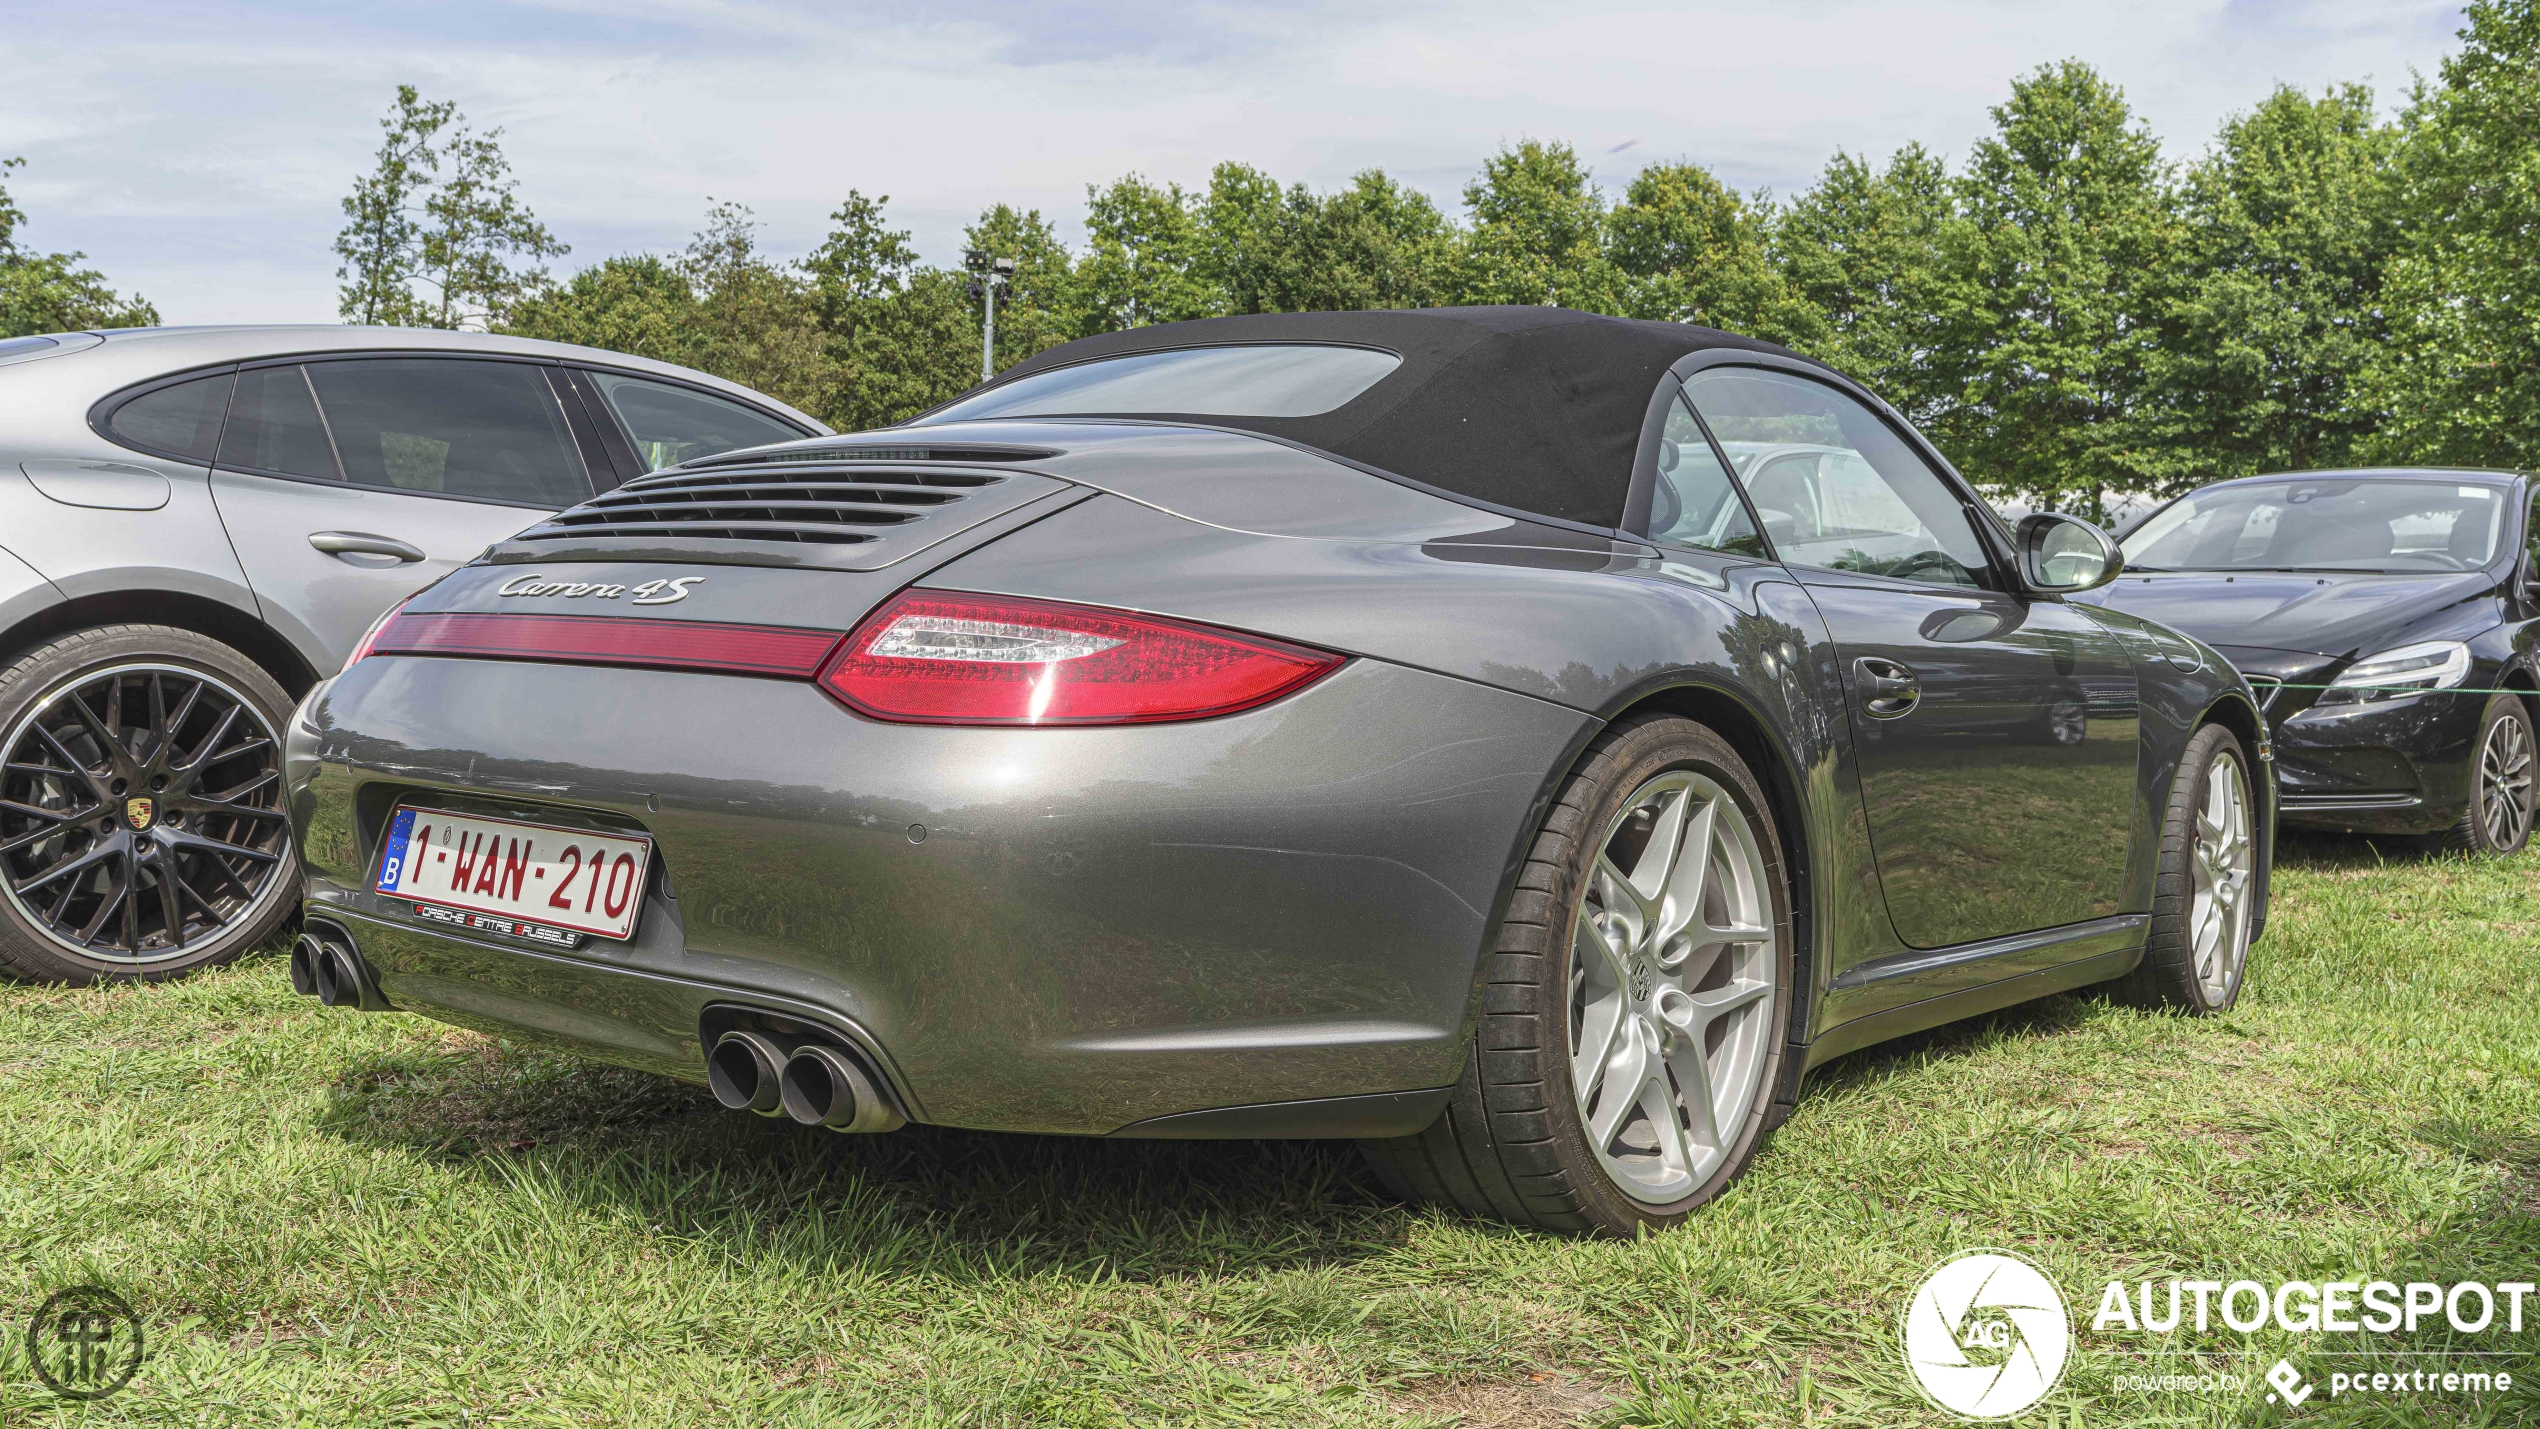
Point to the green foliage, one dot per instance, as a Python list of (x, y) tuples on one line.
[(1870, 251), (1691, 251), (1036, 310), (432, 232), (50, 292), (899, 339), (1144, 259), (2066, 239), (2275, 306), (639, 304), (1539, 233), (2458, 382)]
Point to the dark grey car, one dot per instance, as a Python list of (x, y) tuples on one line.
[(1400, 726), (196, 524)]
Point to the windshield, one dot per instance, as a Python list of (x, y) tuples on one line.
[(1255, 380), (2323, 525)]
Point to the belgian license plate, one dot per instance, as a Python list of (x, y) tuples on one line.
[(529, 880)]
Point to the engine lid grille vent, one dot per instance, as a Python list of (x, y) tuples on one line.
[(841, 515), (820, 507)]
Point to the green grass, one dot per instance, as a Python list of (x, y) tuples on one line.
[(327, 1218)]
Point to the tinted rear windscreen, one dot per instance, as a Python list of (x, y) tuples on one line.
[(1257, 380)]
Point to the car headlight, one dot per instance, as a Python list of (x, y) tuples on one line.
[(2432, 665)]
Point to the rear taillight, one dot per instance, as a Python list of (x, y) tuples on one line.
[(942, 657), (610, 640), (370, 637)]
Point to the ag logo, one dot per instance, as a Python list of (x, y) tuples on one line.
[(1987, 1335), (138, 812), (84, 1343)]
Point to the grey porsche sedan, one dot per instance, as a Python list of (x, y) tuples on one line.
[(1520, 740)]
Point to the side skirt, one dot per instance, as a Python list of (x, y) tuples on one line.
[(1982, 977)]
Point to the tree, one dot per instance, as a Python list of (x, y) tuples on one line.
[(2277, 308), (758, 322), (1143, 259), (1868, 250), (455, 236), (639, 304), (1691, 251), (897, 338), (1377, 244), (2067, 240), (50, 292), (1036, 309), (2459, 381), (1538, 232)]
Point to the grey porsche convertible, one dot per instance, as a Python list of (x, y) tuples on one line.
[(1520, 740)]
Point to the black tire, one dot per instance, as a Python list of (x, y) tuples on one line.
[(2168, 977), (2505, 740), (1512, 1144), (237, 901)]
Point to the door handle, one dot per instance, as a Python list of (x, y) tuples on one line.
[(1888, 689), (363, 543)]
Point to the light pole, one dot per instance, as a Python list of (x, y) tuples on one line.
[(987, 275)]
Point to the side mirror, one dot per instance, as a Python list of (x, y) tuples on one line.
[(2060, 555)]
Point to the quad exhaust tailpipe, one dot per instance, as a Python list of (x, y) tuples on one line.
[(812, 1082), (823, 1086), (324, 966), (745, 1069)]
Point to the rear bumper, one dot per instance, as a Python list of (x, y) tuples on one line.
[(1097, 927)]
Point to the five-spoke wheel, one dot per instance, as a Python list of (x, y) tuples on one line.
[(1671, 985), (1635, 1045)]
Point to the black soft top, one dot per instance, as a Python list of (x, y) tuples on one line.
[(1534, 408)]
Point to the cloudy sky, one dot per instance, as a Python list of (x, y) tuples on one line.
[(197, 153)]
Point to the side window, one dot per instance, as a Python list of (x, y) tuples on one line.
[(2531, 531), (1834, 486), (1694, 503), (274, 426), (452, 427), (182, 420), (670, 425)]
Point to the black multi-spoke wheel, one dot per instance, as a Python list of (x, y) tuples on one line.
[(142, 825)]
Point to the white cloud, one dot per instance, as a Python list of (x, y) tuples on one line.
[(199, 157)]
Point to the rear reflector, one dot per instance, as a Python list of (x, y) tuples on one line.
[(943, 657), (611, 640)]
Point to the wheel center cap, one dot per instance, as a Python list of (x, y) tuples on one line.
[(140, 813), (1643, 974)]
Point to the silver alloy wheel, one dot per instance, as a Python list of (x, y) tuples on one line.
[(2504, 783), (2223, 868), (1673, 968), (141, 813)]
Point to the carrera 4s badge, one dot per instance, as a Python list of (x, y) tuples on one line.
[(658, 592)]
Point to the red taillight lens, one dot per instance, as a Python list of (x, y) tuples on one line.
[(942, 657), (370, 637), (610, 640)]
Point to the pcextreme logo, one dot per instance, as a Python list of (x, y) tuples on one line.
[(1986, 1335)]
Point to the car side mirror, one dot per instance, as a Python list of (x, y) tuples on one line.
[(2061, 555)]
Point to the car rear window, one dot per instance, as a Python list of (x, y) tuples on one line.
[(669, 425), (1252, 380)]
